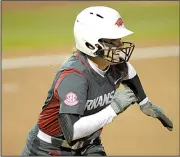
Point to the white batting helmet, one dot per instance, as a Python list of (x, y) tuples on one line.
[(96, 23)]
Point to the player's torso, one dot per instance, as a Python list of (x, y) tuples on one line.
[(100, 89), (100, 93)]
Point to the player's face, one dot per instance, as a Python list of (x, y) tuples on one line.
[(112, 44)]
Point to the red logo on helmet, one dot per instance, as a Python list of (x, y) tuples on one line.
[(119, 22)]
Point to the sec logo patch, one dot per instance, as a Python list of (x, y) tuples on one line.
[(71, 99)]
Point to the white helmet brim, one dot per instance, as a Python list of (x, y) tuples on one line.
[(115, 33)]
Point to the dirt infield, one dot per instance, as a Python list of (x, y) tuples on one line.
[(132, 133)]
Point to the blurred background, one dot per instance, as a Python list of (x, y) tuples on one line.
[(41, 25), (35, 28)]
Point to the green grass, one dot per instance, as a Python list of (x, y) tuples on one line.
[(53, 26)]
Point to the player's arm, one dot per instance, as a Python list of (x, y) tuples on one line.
[(132, 80), (85, 126), (73, 124), (76, 127), (71, 90)]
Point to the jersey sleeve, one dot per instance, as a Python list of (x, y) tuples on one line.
[(131, 72), (72, 93)]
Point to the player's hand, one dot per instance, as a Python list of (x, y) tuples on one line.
[(122, 99), (156, 112)]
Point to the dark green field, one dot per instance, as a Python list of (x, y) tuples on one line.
[(27, 25)]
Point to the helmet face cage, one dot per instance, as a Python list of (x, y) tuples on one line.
[(115, 54)]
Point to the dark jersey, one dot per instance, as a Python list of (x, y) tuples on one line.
[(78, 89)]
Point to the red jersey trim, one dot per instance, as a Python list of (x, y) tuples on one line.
[(48, 120)]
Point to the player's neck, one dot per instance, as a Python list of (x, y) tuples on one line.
[(99, 62)]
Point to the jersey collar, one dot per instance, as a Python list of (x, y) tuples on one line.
[(94, 66)]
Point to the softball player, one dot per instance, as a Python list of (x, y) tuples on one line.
[(85, 94)]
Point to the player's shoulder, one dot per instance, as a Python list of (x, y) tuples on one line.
[(73, 68), (75, 61), (70, 77)]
